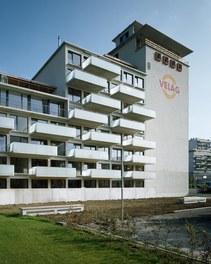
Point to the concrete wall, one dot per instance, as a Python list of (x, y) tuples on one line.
[(28, 196)]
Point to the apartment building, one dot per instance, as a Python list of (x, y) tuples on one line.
[(91, 127), (200, 158)]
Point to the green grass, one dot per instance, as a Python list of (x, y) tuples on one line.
[(31, 240)]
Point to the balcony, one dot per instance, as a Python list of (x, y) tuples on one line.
[(127, 94), (101, 104), (138, 113), (102, 174), (139, 160), (52, 172), (126, 126), (6, 124), (101, 139), (86, 81), (6, 170), (32, 150), (139, 175), (101, 67), (87, 155), (138, 144), (50, 131), (87, 118)]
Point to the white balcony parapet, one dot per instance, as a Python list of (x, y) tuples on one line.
[(139, 159), (140, 113), (142, 175), (26, 149), (6, 170), (86, 81), (6, 124), (127, 126), (128, 94), (101, 67), (101, 103), (43, 130), (138, 144), (98, 138), (57, 172), (87, 155), (87, 118), (102, 174)]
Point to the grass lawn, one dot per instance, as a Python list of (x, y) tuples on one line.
[(32, 240)]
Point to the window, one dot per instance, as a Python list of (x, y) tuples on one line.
[(21, 123), (39, 141), (3, 97), (3, 160), (116, 184), (90, 183), (74, 183), (139, 168), (39, 184), (33, 121), (128, 184), (116, 154), (18, 139), (3, 142), (58, 183), (128, 78), (57, 163), (124, 37), (89, 147), (39, 162), (104, 184), (128, 168), (3, 184), (18, 183), (71, 146), (88, 166), (139, 184), (56, 109), (60, 146), (116, 167), (105, 166), (77, 166), (21, 165), (74, 95), (139, 82), (74, 58), (14, 100)]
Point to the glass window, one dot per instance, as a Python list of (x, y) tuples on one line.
[(39, 162), (39, 141), (3, 97), (57, 163), (124, 37), (104, 184), (14, 100), (105, 166), (20, 164), (139, 82), (3, 142), (60, 146), (58, 183), (36, 105), (90, 183), (89, 147), (139, 184), (33, 120), (74, 183), (128, 168), (56, 109), (74, 58), (3, 160), (116, 154), (116, 184), (89, 166), (74, 95), (19, 183), (128, 78), (71, 145), (3, 184), (116, 167), (39, 184), (18, 139), (139, 168), (21, 123), (128, 184)]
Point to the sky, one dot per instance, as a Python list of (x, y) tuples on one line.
[(30, 28)]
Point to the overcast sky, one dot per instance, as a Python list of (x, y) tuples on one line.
[(30, 28)]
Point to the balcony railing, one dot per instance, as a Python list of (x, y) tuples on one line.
[(85, 81), (102, 174), (140, 175), (52, 172), (87, 118), (101, 67), (87, 155), (6, 170), (6, 124), (138, 113), (127, 94), (101, 139), (42, 130), (101, 104), (138, 159), (32, 150), (127, 126), (138, 144)]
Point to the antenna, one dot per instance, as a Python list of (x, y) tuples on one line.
[(59, 41)]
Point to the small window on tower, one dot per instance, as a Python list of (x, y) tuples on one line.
[(124, 37)]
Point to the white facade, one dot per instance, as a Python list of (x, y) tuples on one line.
[(85, 125)]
